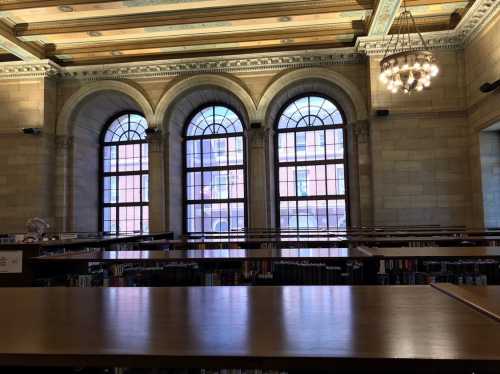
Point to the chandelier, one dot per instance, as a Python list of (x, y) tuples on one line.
[(406, 67)]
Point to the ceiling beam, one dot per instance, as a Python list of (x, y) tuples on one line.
[(286, 36), (182, 17), (6, 5), (93, 60), (383, 17), (23, 50)]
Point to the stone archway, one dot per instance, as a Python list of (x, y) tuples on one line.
[(79, 126), (345, 93)]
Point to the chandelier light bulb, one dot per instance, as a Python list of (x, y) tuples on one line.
[(411, 78), (434, 70), (407, 65)]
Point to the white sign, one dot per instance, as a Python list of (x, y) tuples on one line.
[(11, 262)]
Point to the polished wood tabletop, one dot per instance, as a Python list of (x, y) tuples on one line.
[(342, 327), (207, 255), (413, 252), (484, 298)]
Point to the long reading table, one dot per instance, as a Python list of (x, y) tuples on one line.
[(390, 329), (484, 299)]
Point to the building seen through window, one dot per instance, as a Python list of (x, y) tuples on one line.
[(125, 176), (215, 171), (311, 165)]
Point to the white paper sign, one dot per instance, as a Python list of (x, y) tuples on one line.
[(11, 262)]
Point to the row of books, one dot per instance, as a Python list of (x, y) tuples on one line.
[(304, 273), (466, 272), (262, 272)]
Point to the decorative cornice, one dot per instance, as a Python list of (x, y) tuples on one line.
[(480, 13), (29, 69), (230, 64), (440, 39)]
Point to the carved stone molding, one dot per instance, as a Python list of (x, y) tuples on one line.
[(64, 142), (231, 64), (361, 130), (257, 137), (24, 69), (155, 141), (473, 22), (440, 39), (476, 18)]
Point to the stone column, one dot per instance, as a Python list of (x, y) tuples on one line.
[(257, 178), (156, 182), (361, 132), (63, 175)]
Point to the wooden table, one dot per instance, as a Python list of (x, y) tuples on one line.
[(375, 329), (483, 298)]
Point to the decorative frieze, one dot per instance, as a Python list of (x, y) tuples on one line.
[(29, 69), (474, 20), (240, 64)]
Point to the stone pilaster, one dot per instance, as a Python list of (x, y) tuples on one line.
[(257, 178), (363, 179), (156, 182)]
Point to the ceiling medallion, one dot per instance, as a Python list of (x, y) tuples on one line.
[(405, 66)]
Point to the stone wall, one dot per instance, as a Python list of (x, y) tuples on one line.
[(490, 176), (26, 161), (419, 165), (420, 169), (420, 151), (482, 64)]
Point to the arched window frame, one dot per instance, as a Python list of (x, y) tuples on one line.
[(186, 169), (144, 198), (277, 163)]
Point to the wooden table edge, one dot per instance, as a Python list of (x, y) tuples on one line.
[(458, 294)]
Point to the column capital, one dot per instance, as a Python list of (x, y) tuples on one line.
[(155, 141), (361, 130), (64, 142)]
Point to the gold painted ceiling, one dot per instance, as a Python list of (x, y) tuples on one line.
[(76, 32)]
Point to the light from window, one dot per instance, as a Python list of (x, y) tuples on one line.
[(311, 165), (125, 176), (215, 171)]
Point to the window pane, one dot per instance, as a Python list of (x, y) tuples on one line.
[(219, 146), (125, 151), (317, 180)]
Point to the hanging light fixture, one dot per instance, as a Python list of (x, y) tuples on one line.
[(405, 66)]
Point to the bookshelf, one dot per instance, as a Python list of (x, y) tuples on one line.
[(207, 267), (360, 265), (461, 265)]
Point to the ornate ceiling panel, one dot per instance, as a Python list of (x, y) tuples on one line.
[(90, 32)]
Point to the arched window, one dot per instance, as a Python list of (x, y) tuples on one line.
[(125, 175), (215, 171), (311, 165)]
